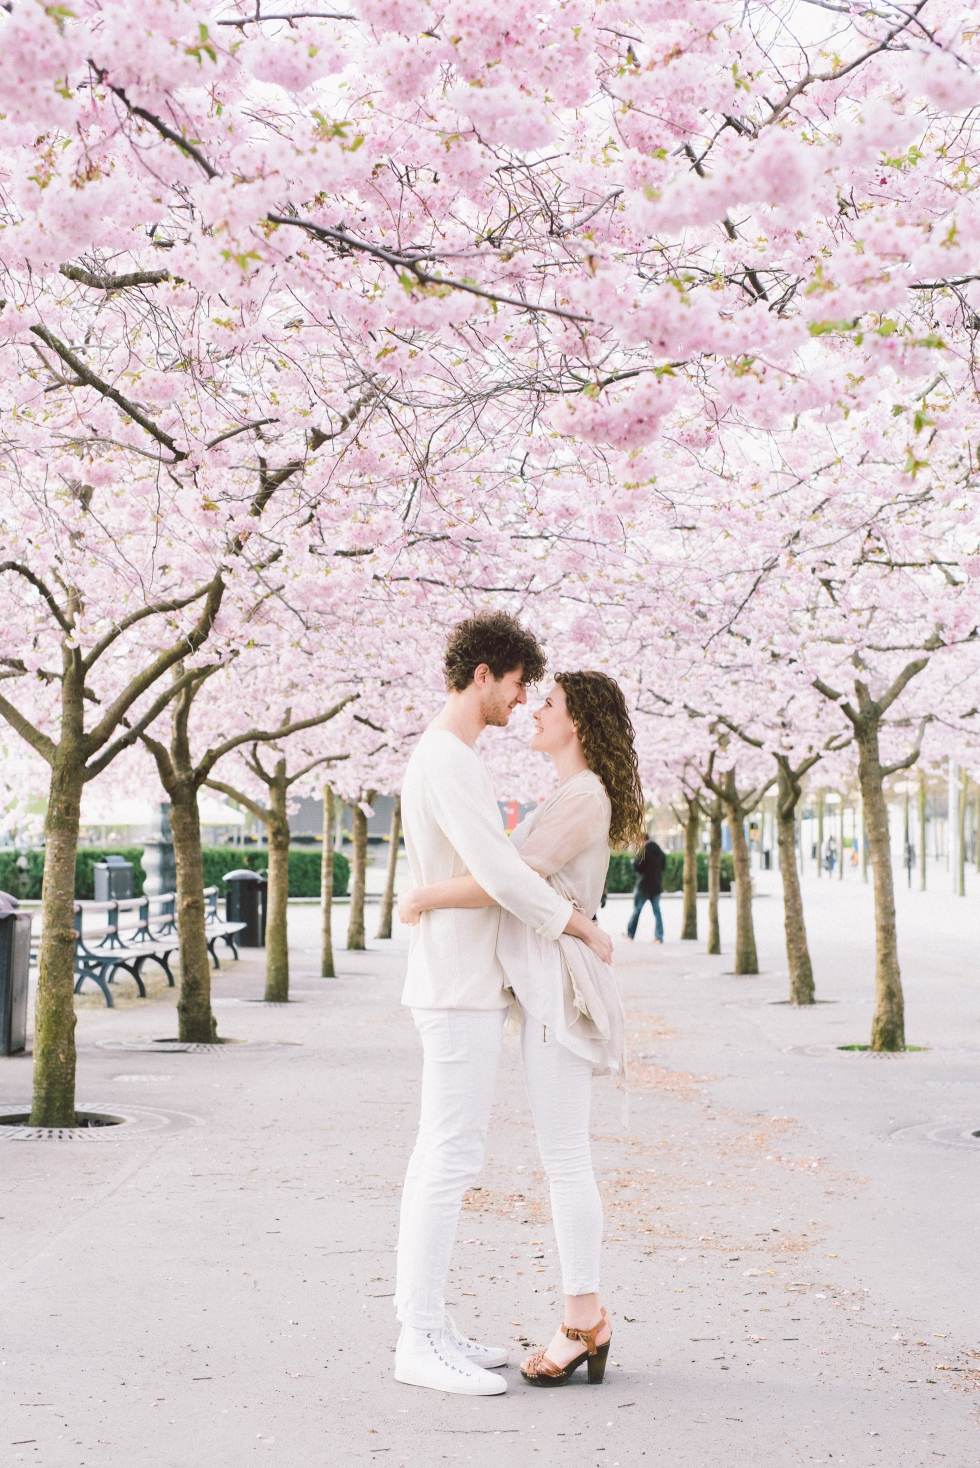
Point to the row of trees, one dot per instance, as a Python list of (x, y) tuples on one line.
[(319, 328)]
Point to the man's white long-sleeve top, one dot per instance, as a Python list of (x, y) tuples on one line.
[(453, 829)]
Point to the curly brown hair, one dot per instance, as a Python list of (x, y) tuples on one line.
[(494, 638), (598, 710)]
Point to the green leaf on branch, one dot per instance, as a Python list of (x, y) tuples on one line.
[(205, 47)]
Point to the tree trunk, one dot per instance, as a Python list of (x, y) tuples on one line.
[(388, 901), (54, 1024), (326, 889), (961, 873), (746, 957), (692, 827), (888, 1025), (276, 935), (714, 877), (196, 1022), (355, 930), (801, 990)]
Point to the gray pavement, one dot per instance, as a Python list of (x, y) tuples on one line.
[(211, 1284)]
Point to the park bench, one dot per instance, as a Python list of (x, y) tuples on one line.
[(132, 932), (217, 928), (165, 924), (143, 935)]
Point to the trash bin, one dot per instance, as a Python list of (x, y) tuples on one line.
[(15, 960), (245, 903), (113, 879)]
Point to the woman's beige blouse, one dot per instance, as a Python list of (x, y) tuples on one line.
[(560, 983)]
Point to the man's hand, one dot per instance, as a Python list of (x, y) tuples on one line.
[(409, 911), (594, 937)]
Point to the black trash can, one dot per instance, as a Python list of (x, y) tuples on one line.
[(113, 879), (15, 961), (245, 903)]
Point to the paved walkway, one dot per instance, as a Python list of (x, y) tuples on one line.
[(792, 1229)]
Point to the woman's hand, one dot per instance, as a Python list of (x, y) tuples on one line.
[(409, 907), (594, 937)]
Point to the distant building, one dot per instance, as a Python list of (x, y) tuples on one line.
[(306, 825)]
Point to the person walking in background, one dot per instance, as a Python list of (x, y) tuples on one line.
[(649, 866)]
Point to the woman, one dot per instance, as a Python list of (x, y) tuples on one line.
[(570, 1010)]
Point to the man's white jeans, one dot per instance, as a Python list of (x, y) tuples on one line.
[(461, 1049)]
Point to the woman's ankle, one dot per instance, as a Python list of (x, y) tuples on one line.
[(582, 1312)]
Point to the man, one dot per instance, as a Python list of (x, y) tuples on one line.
[(455, 984), (649, 884)]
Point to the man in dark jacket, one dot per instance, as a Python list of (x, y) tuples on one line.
[(649, 866)]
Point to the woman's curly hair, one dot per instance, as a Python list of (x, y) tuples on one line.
[(598, 710)]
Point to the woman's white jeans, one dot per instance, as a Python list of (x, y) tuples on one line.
[(461, 1050)]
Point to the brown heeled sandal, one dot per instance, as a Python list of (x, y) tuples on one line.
[(539, 1370)]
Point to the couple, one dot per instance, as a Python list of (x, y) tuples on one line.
[(508, 924)]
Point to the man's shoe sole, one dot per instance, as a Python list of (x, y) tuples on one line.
[(465, 1387)]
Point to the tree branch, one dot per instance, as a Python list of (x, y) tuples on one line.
[(323, 760), (39, 585), (261, 812), (242, 428), (137, 730), (289, 15), (159, 124), (113, 282), (174, 605), (338, 235), (44, 746), (910, 671), (137, 686), (161, 754), (268, 736), (909, 761), (89, 379)]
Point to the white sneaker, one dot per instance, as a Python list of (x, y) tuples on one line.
[(485, 1356), (425, 1358)]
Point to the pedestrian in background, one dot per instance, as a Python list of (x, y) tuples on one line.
[(649, 866)]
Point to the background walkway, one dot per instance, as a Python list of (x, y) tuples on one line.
[(791, 1266)]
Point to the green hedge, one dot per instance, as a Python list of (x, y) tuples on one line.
[(304, 869), (622, 877), (10, 875)]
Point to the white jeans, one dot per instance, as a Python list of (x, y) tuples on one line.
[(461, 1050), (559, 1088)]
